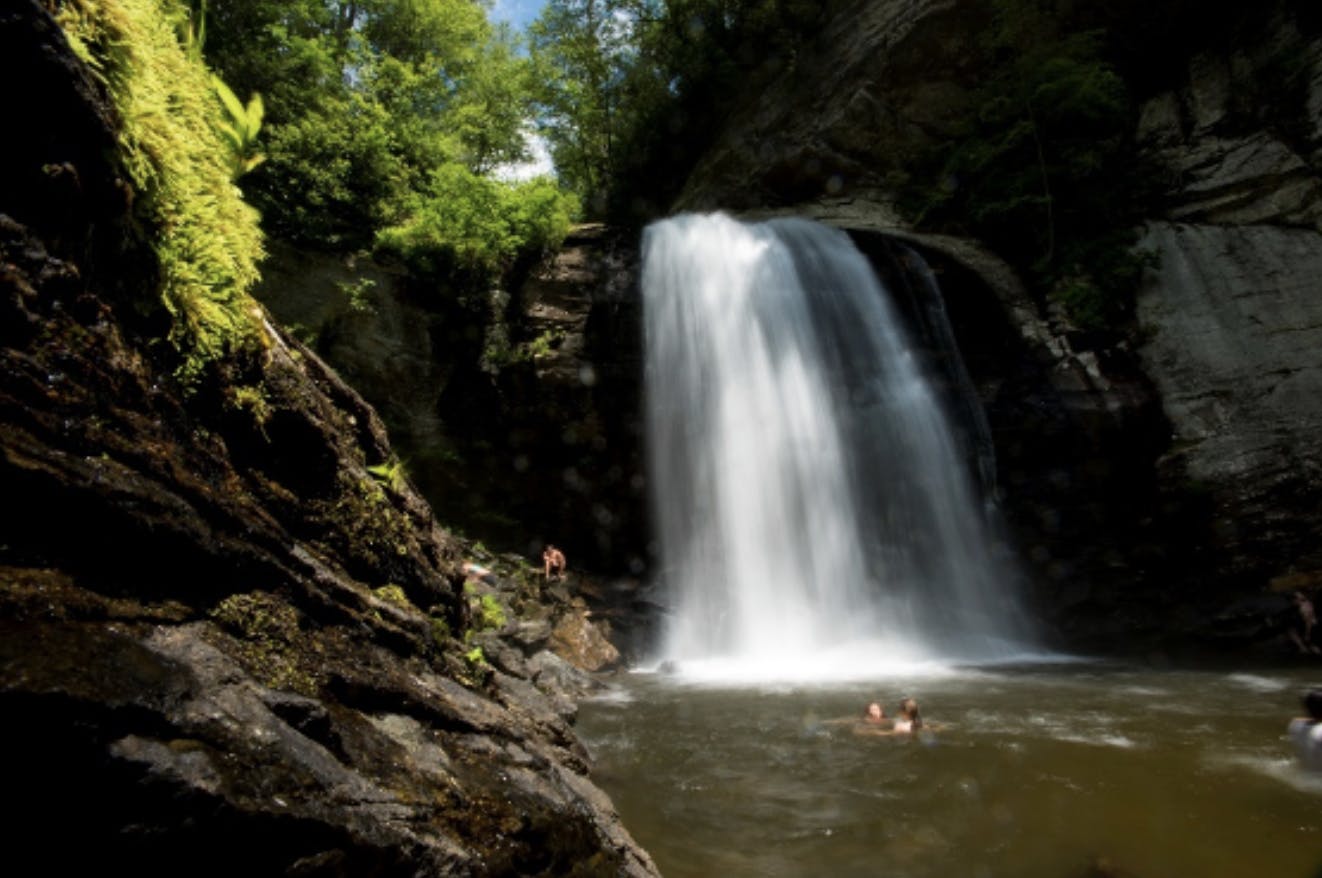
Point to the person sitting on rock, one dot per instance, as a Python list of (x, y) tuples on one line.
[(473, 570), (1306, 732), (553, 562)]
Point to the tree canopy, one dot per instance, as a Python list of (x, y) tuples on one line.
[(377, 108)]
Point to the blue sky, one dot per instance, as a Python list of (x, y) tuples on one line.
[(519, 13)]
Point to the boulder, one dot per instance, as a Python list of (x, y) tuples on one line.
[(580, 642)]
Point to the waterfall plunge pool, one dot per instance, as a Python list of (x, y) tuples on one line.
[(1040, 771), (816, 519)]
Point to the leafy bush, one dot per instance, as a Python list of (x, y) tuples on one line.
[(366, 104), (463, 223)]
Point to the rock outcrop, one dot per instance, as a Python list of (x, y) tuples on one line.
[(230, 633)]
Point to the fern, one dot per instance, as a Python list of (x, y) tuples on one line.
[(207, 239), (240, 127)]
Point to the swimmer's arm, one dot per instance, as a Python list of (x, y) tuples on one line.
[(876, 731)]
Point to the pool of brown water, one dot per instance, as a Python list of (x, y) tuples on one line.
[(1058, 771)]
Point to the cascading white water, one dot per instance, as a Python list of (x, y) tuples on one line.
[(814, 516)]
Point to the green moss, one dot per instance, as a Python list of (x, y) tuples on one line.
[(207, 239), (393, 594), (257, 615), (250, 398), (490, 613), (475, 671), (440, 632), (270, 643)]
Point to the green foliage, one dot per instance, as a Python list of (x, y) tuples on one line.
[(359, 294), (580, 48), (391, 473), (486, 610), (240, 128), (463, 223), (1045, 169), (206, 239), (499, 353), (476, 659), (633, 91), (440, 631), (374, 109), (490, 115), (490, 613)]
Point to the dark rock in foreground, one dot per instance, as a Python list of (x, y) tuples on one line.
[(227, 646)]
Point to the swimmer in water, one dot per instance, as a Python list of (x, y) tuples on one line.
[(872, 721), (1306, 732), (909, 721), (875, 714)]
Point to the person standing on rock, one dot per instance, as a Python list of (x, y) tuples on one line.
[(553, 562)]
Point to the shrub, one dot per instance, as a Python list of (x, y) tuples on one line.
[(467, 224)]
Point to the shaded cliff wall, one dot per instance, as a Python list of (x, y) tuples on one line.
[(226, 645), (517, 411)]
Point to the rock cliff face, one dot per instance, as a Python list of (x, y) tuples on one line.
[(530, 394), (1230, 317), (1164, 489), (228, 645), (1234, 327)]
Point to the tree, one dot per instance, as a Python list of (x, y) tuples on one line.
[(367, 101), (581, 50)]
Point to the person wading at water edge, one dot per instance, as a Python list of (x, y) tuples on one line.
[(1306, 627), (1306, 732)]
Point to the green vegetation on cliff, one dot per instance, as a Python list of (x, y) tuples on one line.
[(1045, 168), (388, 126), (206, 238)]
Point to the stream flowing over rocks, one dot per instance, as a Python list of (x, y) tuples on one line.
[(228, 643)]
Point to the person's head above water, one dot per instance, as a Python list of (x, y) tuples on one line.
[(875, 711), (1313, 703)]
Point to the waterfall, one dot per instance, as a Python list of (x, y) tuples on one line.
[(814, 516)]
